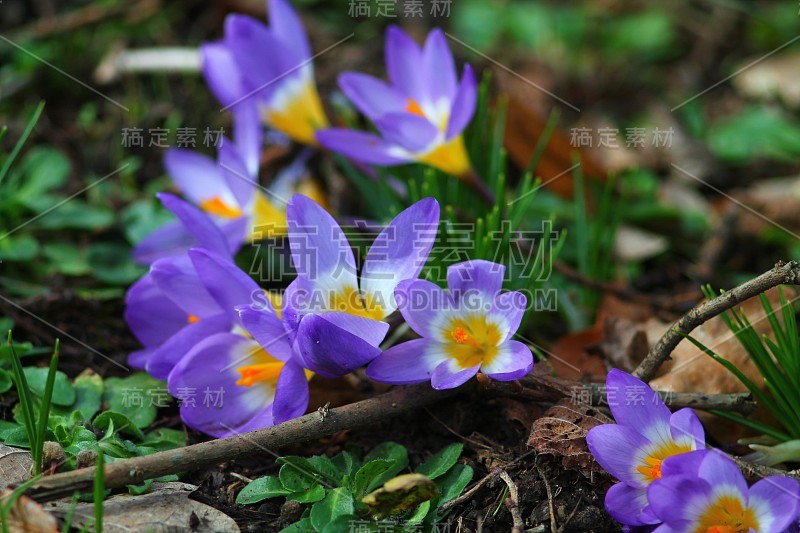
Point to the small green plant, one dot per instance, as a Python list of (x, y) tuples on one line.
[(344, 490), (99, 492), (778, 362), (35, 428)]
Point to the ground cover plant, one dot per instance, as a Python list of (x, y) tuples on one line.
[(399, 266)]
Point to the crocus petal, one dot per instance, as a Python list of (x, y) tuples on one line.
[(363, 147), (172, 238), (240, 184), (267, 329), (220, 407), (178, 280), (151, 315), (197, 176), (683, 464), (329, 350), (463, 105), (686, 427), (619, 450), (678, 500), (476, 282), (449, 375), (399, 252), (412, 132), (138, 359), (371, 96), (291, 393), (249, 41), (439, 67), (226, 282), (722, 474), (372, 331), (164, 358), (287, 26), (320, 250), (514, 360), (627, 505), (636, 406), (511, 306), (220, 73), (776, 501), (408, 362), (207, 234), (249, 138), (403, 63), (424, 306)]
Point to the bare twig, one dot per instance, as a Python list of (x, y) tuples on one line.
[(551, 507), (782, 273), (541, 387), (512, 502), (311, 426)]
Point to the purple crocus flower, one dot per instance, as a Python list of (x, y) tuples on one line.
[(420, 114), (633, 449), (269, 68), (245, 384), (169, 309), (333, 316), (709, 494), (464, 330)]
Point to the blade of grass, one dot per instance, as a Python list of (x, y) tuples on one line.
[(99, 492), (752, 424), (44, 408), (21, 142), (25, 398)]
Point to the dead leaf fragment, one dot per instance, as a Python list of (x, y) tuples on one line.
[(165, 508), (15, 465), (400, 494), (561, 432), (27, 516)]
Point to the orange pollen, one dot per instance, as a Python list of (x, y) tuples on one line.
[(193, 319), (413, 107), (651, 469), (460, 336), (721, 529), (216, 206), (258, 373)]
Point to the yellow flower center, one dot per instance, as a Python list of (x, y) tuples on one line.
[(300, 115), (349, 300), (651, 469), (216, 206), (450, 157), (727, 515), (475, 341)]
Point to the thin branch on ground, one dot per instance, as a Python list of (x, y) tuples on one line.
[(311, 426), (781, 274), (512, 502)]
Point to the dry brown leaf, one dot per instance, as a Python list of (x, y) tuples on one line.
[(571, 358), (15, 465), (27, 516), (778, 75), (561, 432), (165, 508)]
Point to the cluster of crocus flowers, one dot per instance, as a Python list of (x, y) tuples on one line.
[(668, 481)]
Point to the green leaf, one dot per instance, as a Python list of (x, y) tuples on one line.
[(388, 451), (112, 263), (119, 423), (42, 170), (301, 526), (295, 479), (63, 391), (88, 394), (136, 397), (343, 523), (18, 247), (261, 489), (140, 218), (67, 258), (440, 463), (18, 437), (345, 463), (314, 468), (7, 427), (314, 494), (337, 503), (453, 483), (367, 476), (5, 381), (756, 131), (165, 439), (75, 214)]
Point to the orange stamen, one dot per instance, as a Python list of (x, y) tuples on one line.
[(459, 335), (216, 206), (193, 319), (413, 107)]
